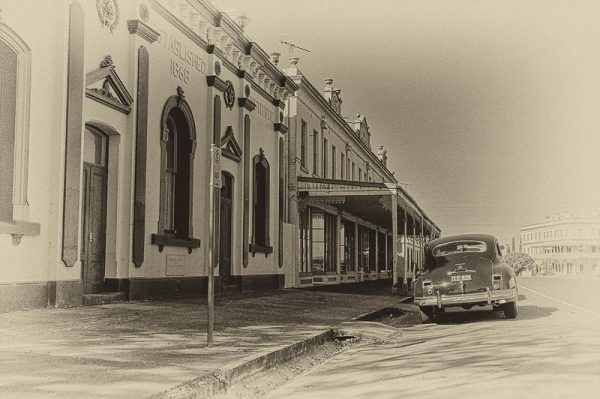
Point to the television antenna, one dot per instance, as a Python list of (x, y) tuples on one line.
[(291, 46)]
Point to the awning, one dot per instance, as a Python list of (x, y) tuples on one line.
[(369, 201)]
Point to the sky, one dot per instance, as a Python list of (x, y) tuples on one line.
[(490, 110)]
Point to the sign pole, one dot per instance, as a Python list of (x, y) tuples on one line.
[(215, 182)]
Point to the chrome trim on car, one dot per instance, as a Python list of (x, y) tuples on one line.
[(488, 296)]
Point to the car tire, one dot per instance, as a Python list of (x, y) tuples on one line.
[(427, 313), (510, 310)]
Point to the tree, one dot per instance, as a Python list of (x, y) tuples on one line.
[(519, 261)]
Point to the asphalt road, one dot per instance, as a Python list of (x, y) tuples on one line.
[(552, 350)]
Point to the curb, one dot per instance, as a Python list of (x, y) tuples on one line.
[(218, 380)]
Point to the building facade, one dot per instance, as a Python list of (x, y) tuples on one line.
[(354, 222), (564, 245), (109, 112)]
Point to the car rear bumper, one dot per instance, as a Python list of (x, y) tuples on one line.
[(489, 297)]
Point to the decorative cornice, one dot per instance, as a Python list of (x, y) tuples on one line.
[(257, 88), (183, 28), (89, 93), (281, 128), (246, 103), (140, 28), (216, 82)]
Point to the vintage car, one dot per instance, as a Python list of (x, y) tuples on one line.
[(465, 270)]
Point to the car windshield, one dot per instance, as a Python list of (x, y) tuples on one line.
[(459, 247)]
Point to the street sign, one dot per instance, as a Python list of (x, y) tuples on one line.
[(215, 166)]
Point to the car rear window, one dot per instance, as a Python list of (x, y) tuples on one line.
[(459, 247)]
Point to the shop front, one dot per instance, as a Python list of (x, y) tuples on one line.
[(350, 231)]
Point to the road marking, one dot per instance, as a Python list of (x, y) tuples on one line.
[(559, 301)]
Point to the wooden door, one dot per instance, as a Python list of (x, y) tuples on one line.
[(225, 229), (93, 227)]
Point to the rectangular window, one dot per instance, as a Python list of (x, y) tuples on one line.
[(315, 150), (359, 174), (381, 240), (8, 109), (332, 161), (305, 240), (347, 247), (353, 168), (303, 134), (324, 158), (323, 242), (363, 249), (342, 164)]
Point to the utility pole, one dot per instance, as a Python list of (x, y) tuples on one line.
[(215, 184)]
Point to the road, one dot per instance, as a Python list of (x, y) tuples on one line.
[(552, 350)]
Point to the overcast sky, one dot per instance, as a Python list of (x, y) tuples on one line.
[(490, 110)]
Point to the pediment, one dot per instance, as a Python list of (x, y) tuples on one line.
[(104, 85), (230, 148)]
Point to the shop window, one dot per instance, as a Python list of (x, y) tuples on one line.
[(390, 254), (178, 145), (323, 245), (363, 249), (260, 214), (372, 246), (381, 252), (15, 80), (348, 246), (305, 239)]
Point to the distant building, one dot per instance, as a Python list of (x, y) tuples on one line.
[(564, 245)]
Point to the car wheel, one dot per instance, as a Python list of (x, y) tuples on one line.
[(510, 310)]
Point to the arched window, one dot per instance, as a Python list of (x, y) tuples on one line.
[(178, 147), (15, 77), (260, 214)]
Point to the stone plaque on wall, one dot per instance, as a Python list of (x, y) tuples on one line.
[(175, 265)]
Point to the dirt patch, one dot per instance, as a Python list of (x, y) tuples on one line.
[(260, 384), (396, 317)]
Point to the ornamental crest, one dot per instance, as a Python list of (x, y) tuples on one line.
[(229, 95), (108, 12)]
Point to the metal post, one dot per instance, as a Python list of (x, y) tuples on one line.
[(394, 240), (215, 183), (405, 250), (412, 260), (211, 271)]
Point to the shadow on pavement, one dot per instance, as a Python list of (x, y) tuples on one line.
[(526, 312), (376, 287)]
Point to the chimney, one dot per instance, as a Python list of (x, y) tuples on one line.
[(328, 90), (382, 155), (292, 70), (275, 58)]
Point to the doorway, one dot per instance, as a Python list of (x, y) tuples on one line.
[(93, 229), (225, 236)]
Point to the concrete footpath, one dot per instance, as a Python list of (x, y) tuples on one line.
[(139, 349)]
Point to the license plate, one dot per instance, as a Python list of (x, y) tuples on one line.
[(462, 277)]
